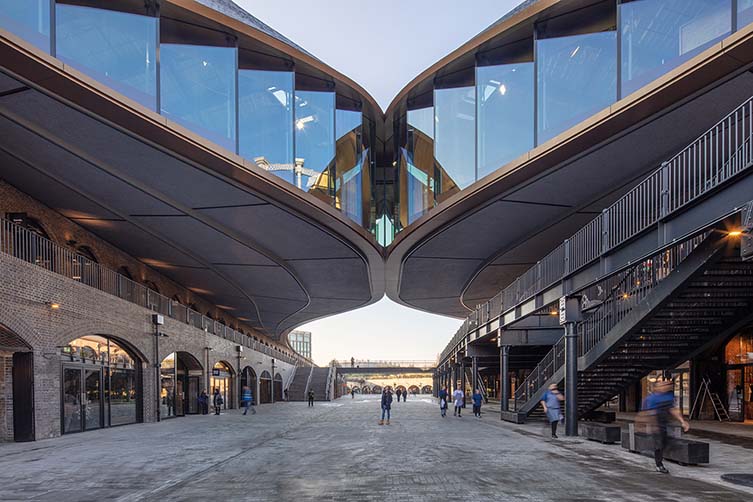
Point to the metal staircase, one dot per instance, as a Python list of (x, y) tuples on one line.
[(659, 312)]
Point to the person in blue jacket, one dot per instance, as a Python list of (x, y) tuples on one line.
[(247, 398), (386, 405), (477, 398), (550, 401), (659, 406), (443, 401)]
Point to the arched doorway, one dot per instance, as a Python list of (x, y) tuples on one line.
[(101, 384), (222, 379), (278, 387), (18, 383), (248, 377), (400, 388), (413, 390), (426, 389), (366, 390), (377, 389), (180, 385), (265, 387)]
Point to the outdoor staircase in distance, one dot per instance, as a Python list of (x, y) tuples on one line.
[(318, 383), (297, 389)]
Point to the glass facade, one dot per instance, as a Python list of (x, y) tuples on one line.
[(28, 19), (117, 48), (265, 116), (315, 142), (468, 122), (198, 89), (658, 35), (300, 341), (505, 114), (576, 77), (455, 137)]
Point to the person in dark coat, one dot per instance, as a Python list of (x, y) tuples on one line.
[(311, 397), (443, 401), (386, 405), (217, 401), (204, 402)]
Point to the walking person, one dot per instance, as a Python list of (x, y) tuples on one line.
[(353, 393), (217, 401), (458, 397), (443, 401), (658, 407), (398, 392), (477, 399), (204, 402), (247, 399), (311, 397), (551, 402), (386, 405)]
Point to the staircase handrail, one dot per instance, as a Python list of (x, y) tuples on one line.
[(717, 155), (308, 383)]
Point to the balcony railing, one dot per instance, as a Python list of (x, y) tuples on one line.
[(31, 247), (715, 157), (372, 363)]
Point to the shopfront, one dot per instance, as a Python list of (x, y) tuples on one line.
[(738, 358), (265, 387), (101, 385), (222, 380), (180, 385)]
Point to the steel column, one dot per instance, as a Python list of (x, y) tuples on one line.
[(474, 373), (571, 380), (504, 377)]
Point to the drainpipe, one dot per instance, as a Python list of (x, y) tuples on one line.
[(157, 321)]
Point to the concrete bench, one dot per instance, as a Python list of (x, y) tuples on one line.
[(603, 433), (605, 417), (682, 451)]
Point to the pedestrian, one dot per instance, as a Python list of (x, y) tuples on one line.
[(458, 396), (443, 401), (477, 399), (405, 395), (658, 407), (204, 402), (386, 405), (398, 392), (352, 361), (311, 397), (551, 402), (247, 399), (286, 395), (217, 401)]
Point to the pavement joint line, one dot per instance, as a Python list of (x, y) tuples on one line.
[(197, 475)]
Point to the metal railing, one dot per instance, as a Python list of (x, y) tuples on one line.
[(622, 292), (719, 154), (31, 247), (370, 363)]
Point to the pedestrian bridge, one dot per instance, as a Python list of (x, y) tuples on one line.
[(370, 366)]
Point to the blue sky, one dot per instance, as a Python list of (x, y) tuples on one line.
[(382, 45)]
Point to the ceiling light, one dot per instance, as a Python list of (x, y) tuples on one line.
[(735, 233), (54, 306), (502, 89), (575, 51)]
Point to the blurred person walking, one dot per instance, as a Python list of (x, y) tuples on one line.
[(386, 405), (658, 408), (550, 401), (458, 397), (443, 401)]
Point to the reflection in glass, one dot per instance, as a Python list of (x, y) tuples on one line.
[(197, 89), (116, 48), (315, 141), (167, 386), (71, 400), (265, 112), (417, 168), (658, 35), (351, 158), (577, 76), (93, 404), (744, 13), (122, 394), (455, 137), (28, 19), (505, 114)]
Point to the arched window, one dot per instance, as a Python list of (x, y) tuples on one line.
[(125, 272)]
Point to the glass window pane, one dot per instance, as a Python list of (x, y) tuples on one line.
[(505, 114), (351, 180), (315, 141), (417, 169), (29, 19), (116, 48), (265, 112), (455, 136), (744, 13), (197, 89), (658, 35), (577, 76)]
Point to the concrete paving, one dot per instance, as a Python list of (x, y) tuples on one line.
[(337, 451)]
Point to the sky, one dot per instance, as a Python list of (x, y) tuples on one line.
[(382, 45)]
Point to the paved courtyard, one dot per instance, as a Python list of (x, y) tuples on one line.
[(336, 451)]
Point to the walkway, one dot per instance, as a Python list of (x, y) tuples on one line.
[(336, 451)]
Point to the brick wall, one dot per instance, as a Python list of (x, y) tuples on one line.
[(6, 396), (24, 295), (63, 230)]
